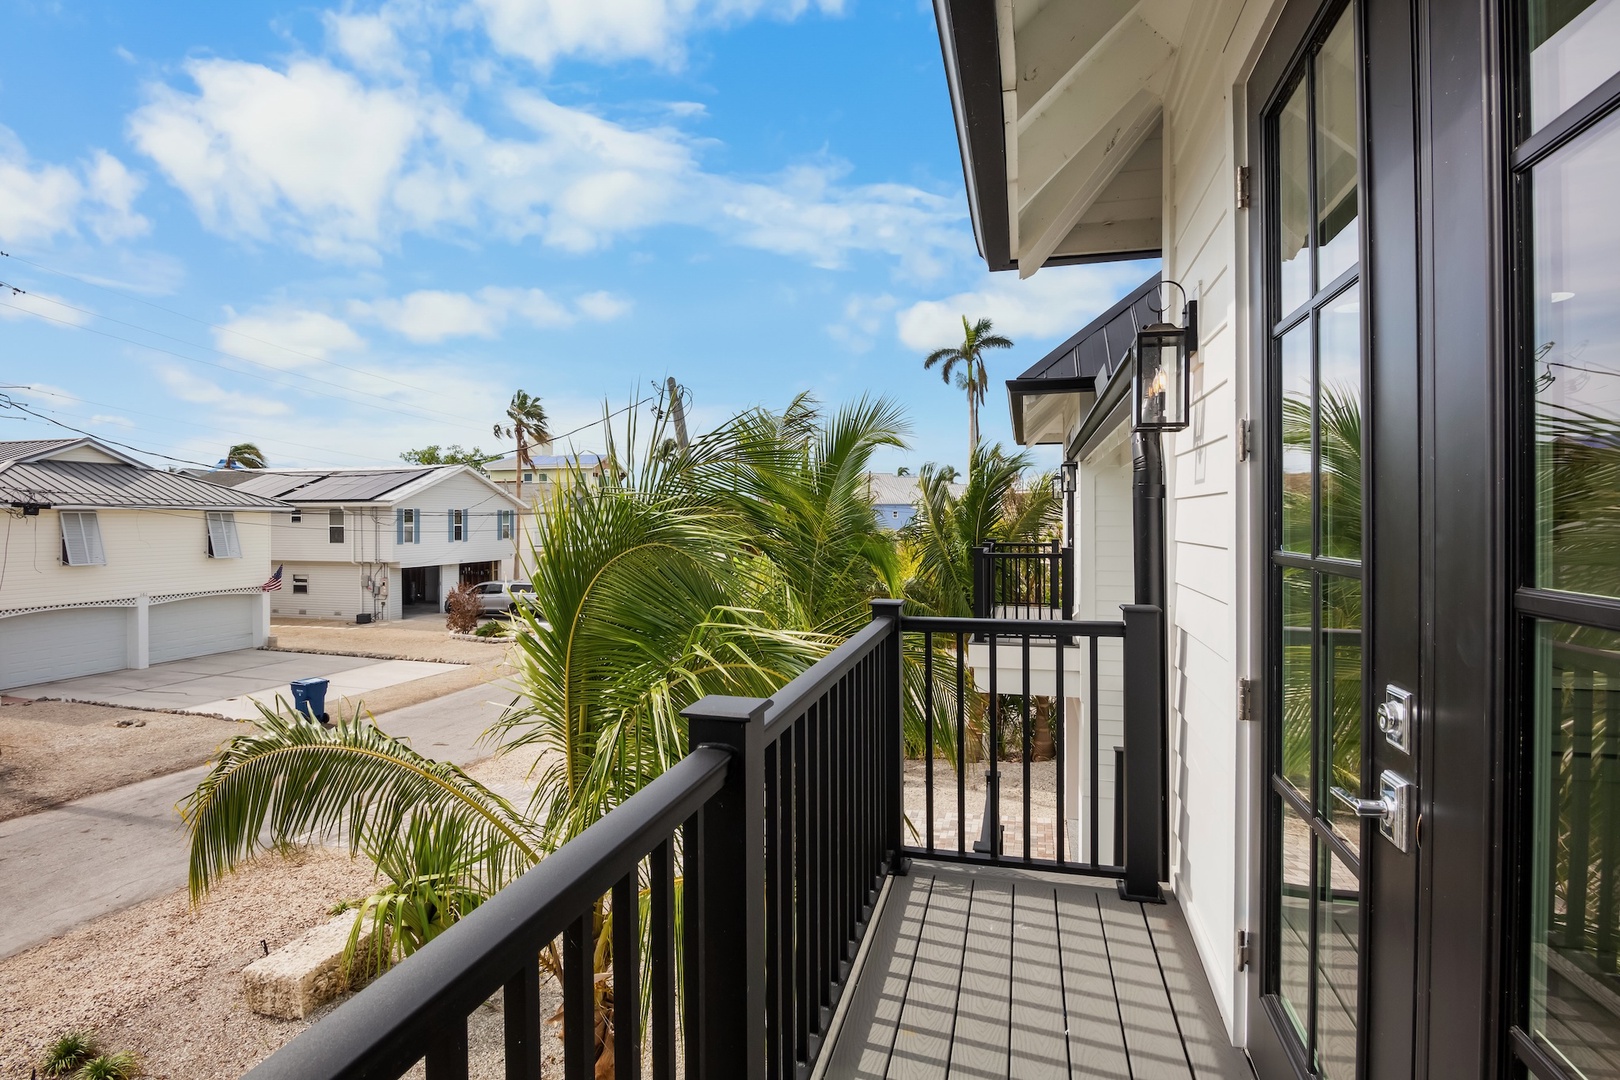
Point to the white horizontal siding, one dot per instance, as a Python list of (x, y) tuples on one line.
[(148, 551)]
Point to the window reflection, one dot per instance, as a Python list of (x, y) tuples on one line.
[(1574, 968), (1337, 201), (1341, 663), (1572, 52), (1338, 937), (1294, 946), (1338, 424), (1576, 367), (1298, 390), (1294, 198), (1299, 684)]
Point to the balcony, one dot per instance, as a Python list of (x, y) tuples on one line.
[(1023, 581), (807, 900)]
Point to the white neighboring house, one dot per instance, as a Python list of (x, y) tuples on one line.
[(368, 543), (107, 563)]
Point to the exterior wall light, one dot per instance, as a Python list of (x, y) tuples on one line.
[(1070, 476), (1160, 395)]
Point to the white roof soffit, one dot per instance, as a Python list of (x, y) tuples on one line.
[(1082, 88)]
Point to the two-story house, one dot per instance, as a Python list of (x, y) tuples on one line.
[(367, 544), (108, 563)]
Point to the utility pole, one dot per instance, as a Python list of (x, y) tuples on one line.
[(678, 411)]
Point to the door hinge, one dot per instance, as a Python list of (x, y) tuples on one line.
[(1242, 950), (1243, 432), (1243, 187), (1245, 700)]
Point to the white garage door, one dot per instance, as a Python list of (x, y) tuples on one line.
[(50, 645), (206, 624)]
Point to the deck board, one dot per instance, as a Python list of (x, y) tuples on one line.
[(991, 972), (1038, 1021), (979, 1048), (922, 1044)]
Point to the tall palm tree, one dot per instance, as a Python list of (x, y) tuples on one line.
[(972, 378), (244, 455), (526, 422)]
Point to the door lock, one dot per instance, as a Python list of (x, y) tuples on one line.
[(1392, 809), (1396, 716)]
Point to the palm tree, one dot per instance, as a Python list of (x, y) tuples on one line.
[(973, 378), (527, 423), (244, 455)]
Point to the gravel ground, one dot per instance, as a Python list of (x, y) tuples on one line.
[(410, 639), (1042, 801), (52, 752)]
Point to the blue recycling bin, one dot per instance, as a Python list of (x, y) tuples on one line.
[(309, 697)]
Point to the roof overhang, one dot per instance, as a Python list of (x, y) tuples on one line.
[(1044, 411), (1059, 112)]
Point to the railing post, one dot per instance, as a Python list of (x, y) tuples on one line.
[(894, 744), (728, 965), (1067, 570), (982, 600), (1144, 745)]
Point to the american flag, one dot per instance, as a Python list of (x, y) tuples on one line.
[(274, 583)]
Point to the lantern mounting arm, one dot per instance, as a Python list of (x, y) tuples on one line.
[(1189, 314)]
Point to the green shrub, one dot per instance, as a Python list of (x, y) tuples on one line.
[(119, 1066), (64, 1056), (491, 629)]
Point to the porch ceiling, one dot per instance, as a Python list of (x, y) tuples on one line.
[(1059, 109)]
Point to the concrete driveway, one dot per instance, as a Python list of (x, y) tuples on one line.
[(105, 852), (227, 684)]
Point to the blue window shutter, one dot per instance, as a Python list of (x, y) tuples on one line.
[(451, 533), (399, 526), (417, 532), (466, 524)]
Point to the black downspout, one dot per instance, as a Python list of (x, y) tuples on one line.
[(1147, 505)]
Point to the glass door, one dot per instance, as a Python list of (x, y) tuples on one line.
[(1567, 158), (1313, 919)]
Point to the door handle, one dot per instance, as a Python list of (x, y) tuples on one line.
[(1392, 809), (1370, 808)]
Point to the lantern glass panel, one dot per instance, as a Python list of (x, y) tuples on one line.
[(1161, 389)]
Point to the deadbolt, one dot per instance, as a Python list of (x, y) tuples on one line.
[(1396, 716)]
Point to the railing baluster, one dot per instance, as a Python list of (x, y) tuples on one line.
[(694, 925), (626, 978), (928, 734), (774, 1012), (1057, 715), (446, 1057), (991, 825), (661, 943), (520, 1010), (1029, 826), (1091, 762), (579, 1000), (805, 995), (961, 744)]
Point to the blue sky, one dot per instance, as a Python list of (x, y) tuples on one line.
[(344, 231)]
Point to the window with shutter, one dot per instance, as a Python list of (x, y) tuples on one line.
[(81, 539), (223, 543)]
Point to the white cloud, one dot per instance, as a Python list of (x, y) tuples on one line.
[(342, 166), (199, 391), (287, 337), (46, 305), (41, 201), (541, 31), (1055, 302), (428, 316), (863, 321)]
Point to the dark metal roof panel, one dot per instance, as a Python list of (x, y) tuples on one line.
[(1099, 345), (326, 485), (91, 483)]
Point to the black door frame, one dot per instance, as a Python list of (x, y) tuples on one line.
[(1440, 526)]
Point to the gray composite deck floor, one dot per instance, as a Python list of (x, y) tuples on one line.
[(1004, 973)]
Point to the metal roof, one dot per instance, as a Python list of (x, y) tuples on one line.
[(1088, 356), (891, 489), (326, 485), (21, 448), (69, 484)]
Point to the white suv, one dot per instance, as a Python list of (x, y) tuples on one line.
[(501, 596)]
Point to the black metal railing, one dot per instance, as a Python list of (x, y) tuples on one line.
[(778, 828), (1023, 580)]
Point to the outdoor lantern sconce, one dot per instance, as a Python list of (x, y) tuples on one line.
[(1070, 476), (1160, 389)]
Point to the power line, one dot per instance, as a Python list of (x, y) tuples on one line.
[(9, 402)]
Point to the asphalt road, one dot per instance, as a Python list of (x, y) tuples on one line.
[(65, 866)]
